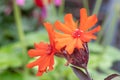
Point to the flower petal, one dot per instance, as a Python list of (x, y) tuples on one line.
[(70, 47), (94, 30), (91, 21), (69, 21), (32, 64), (39, 73), (47, 63), (83, 17), (51, 63), (61, 35), (87, 37), (50, 31), (79, 44), (44, 63), (41, 45), (62, 27), (62, 42), (34, 53)]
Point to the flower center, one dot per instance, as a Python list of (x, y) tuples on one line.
[(77, 33), (49, 49)]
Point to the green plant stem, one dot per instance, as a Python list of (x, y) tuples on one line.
[(54, 10), (108, 35), (100, 34), (111, 29), (97, 7), (17, 16), (86, 5), (61, 10)]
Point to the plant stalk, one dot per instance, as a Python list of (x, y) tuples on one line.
[(97, 7), (86, 5), (61, 8), (17, 16), (88, 74)]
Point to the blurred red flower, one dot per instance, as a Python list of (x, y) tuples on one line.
[(42, 3)]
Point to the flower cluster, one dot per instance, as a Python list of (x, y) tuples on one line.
[(68, 39)]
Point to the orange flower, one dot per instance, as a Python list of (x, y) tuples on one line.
[(45, 52), (75, 35)]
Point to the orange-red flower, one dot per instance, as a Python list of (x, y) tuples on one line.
[(45, 52), (74, 35)]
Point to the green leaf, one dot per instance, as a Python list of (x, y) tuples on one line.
[(96, 48), (28, 5), (10, 56), (7, 75), (28, 23), (36, 37)]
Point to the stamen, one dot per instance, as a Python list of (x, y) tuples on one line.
[(49, 49), (77, 33)]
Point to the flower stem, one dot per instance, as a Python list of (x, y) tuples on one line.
[(80, 73), (61, 10), (86, 5), (88, 74), (97, 7), (54, 10), (17, 16)]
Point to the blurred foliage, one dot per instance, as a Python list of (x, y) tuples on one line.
[(11, 57)]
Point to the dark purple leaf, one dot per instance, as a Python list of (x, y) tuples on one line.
[(80, 74)]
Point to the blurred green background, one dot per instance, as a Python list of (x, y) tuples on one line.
[(22, 25)]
